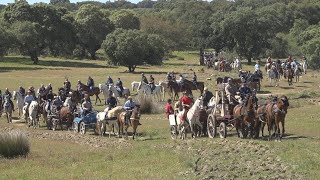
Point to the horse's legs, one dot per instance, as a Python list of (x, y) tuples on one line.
[(277, 130), (282, 124)]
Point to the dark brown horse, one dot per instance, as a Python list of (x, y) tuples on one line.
[(288, 74), (94, 91), (276, 114), (198, 86), (175, 88), (134, 122), (244, 115)]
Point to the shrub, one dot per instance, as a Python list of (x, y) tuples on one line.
[(147, 105), (13, 144)]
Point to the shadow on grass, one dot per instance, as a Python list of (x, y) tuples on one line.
[(301, 86), (308, 82), (263, 92), (9, 69), (286, 87), (54, 63)]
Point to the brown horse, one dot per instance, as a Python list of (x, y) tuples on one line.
[(134, 122), (276, 114), (191, 86), (245, 117), (175, 88), (94, 91), (289, 74), (65, 116)]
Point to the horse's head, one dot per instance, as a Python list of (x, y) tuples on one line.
[(283, 103), (136, 113)]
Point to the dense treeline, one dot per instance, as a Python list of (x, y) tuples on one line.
[(133, 34)]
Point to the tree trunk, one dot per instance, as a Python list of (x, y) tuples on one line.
[(34, 56), (132, 68), (201, 57)]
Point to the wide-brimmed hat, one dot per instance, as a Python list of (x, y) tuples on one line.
[(205, 88), (129, 97)]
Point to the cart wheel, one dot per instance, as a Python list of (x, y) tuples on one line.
[(173, 132), (212, 126), (75, 127), (82, 128), (223, 130)]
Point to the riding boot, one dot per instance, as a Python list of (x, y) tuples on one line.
[(12, 105)]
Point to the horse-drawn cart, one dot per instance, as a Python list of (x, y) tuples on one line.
[(82, 123), (220, 119)]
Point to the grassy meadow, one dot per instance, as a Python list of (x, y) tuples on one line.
[(65, 155)]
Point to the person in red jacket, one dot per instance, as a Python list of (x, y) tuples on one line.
[(168, 108), (186, 103)]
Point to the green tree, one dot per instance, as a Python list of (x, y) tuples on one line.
[(132, 47), (125, 19), (92, 28), (311, 45), (6, 41)]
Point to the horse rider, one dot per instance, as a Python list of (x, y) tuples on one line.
[(8, 94), (207, 95), (169, 77), (151, 83), (49, 87), (42, 91), (128, 106), (86, 105), (168, 108), (112, 101), (67, 85), (143, 78), (27, 100), (186, 103), (22, 91), (289, 60), (269, 60), (181, 81), (109, 81), (194, 79), (231, 90), (90, 83), (57, 104), (119, 86), (80, 88), (244, 91), (62, 95)]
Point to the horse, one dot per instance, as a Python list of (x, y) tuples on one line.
[(8, 108), (104, 90), (146, 89), (193, 118), (296, 73), (272, 75), (108, 118), (305, 67), (276, 114), (65, 116), (115, 91), (20, 101), (134, 121), (165, 89), (95, 91), (135, 85), (33, 114), (198, 86), (175, 88), (289, 74), (245, 117)]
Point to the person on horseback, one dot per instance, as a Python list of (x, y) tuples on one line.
[(274, 69), (57, 104), (230, 90), (109, 81), (244, 91), (111, 101), (186, 103), (169, 108), (169, 77), (67, 85), (128, 106), (207, 95), (22, 91), (257, 67), (269, 60), (151, 83), (42, 91), (119, 86), (27, 100), (8, 94), (90, 83), (49, 87), (181, 82), (86, 105), (62, 95), (143, 78), (194, 79)]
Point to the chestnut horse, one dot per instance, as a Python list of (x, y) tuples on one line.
[(94, 91), (134, 121), (276, 114), (245, 117), (289, 74)]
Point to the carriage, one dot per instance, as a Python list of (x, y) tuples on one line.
[(220, 119), (82, 123)]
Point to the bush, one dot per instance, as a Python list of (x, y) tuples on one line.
[(13, 144), (147, 105)]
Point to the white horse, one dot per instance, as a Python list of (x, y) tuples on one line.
[(193, 117), (305, 67), (125, 92), (272, 75), (296, 73), (104, 90), (236, 65), (135, 85), (7, 108), (110, 118), (146, 89), (20, 101), (33, 114), (165, 89)]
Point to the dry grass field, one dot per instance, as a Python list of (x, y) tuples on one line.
[(153, 155)]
